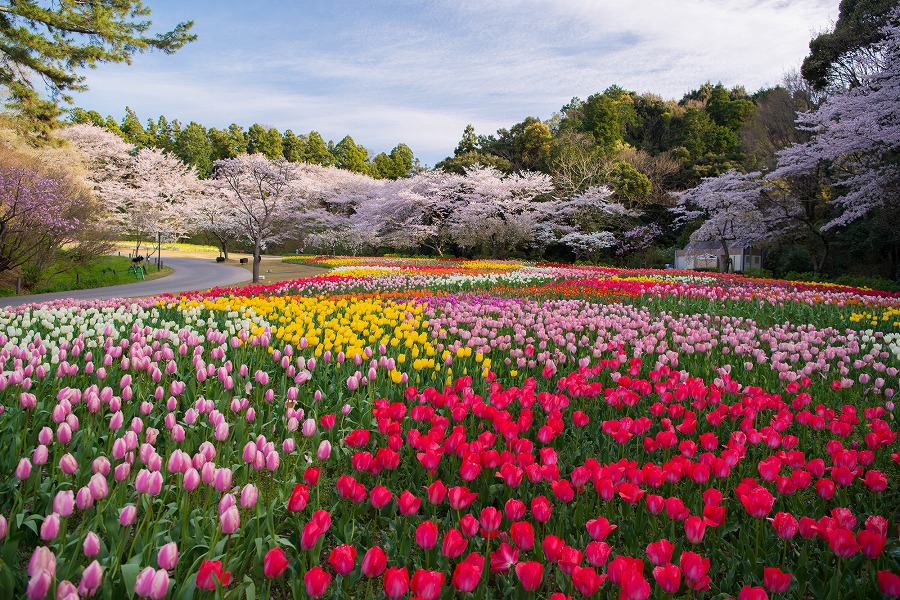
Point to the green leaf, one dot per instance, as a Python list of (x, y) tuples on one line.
[(130, 572)]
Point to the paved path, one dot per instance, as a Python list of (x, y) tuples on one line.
[(189, 274)]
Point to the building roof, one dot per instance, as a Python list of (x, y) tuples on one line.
[(732, 245)]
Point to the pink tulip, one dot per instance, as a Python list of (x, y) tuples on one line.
[(91, 545), (249, 496), (50, 527), (64, 503), (322, 453), (128, 515), (23, 470), (90, 579), (144, 582), (167, 557), (230, 520)]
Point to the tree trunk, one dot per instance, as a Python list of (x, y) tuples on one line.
[(727, 260), (257, 257)]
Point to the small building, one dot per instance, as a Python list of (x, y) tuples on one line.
[(710, 255)]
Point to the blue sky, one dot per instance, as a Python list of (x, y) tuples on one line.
[(418, 72)]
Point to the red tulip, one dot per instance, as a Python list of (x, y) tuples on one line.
[(553, 547), (693, 566), (490, 519), (668, 577), (825, 489), (562, 489), (597, 553), (299, 498), (374, 562), (758, 502), (842, 542), (694, 529), (467, 574), (630, 493), (357, 438), (316, 580), (311, 476), (436, 492), (655, 504), (210, 574), (569, 559), (660, 552), (586, 580), (522, 534), (753, 593), (503, 558), (409, 504), (889, 584), (634, 586), (275, 563), (876, 480), (877, 524), (460, 497), (541, 509), (786, 525), (468, 525), (600, 528), (775, 580), (769, 468), (426, 535), (871, 544), (380, 496), (427, 584), (808, 528), (454, 544), (396, 582), (311, 534), (676, 510), (343, 559), (530, 574), (620, 565)]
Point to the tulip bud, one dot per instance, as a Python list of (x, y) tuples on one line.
[(91, 545), (167, 557), (90, 579), (128, 515)]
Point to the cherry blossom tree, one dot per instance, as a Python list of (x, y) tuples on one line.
[(498, 213), (856, 139), (208, 214), (588, 245), (147, 194), (261, 194), (728, 205), (37, 216)]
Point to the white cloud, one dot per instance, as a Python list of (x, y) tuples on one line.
[(420, 73)]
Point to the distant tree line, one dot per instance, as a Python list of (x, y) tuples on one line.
[(200, 147)]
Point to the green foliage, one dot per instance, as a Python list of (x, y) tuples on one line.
[(316, 151), (348, 155), (458, 164), (264, 141), (468, 143), (194, 148), (831, 53), (630, 185), (57, 40)]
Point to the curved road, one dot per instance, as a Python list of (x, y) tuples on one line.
[(189, 274)]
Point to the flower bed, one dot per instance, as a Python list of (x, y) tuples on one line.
[(435, 429)]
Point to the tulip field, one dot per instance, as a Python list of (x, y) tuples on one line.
[(425, 428)]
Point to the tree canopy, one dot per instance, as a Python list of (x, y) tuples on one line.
[(51, 41)]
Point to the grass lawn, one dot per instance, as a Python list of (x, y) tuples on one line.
[(100, 272)]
